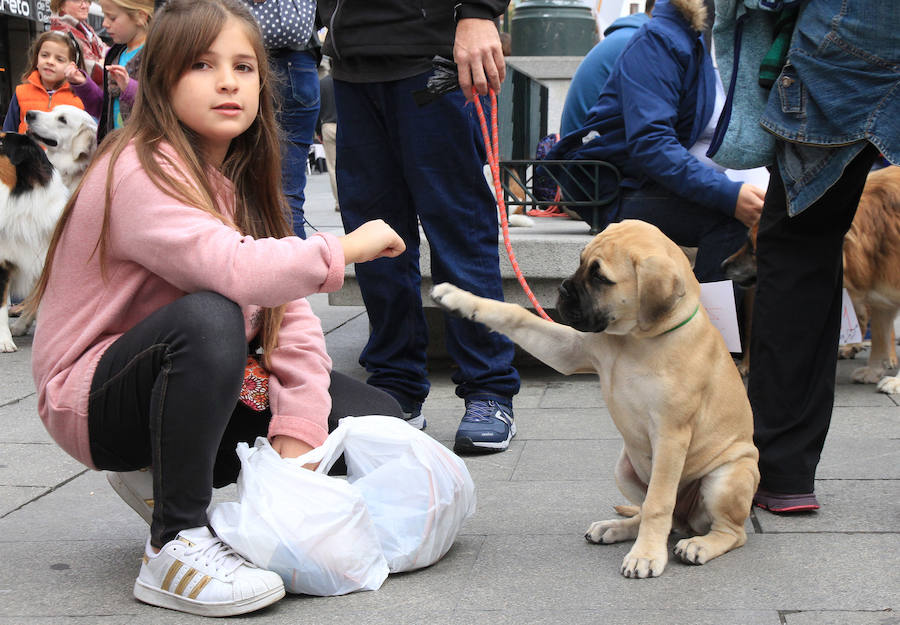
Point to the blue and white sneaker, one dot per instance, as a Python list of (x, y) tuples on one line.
[(486, 427), (413, 415), (415, 418)]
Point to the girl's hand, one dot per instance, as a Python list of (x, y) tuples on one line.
[(119, 74), (374, 239), (74, 75), (289, 447)]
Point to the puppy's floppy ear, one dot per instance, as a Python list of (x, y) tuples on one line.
[(660, 287), (84, 143)]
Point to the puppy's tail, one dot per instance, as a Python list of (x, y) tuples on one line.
[(628, 511)]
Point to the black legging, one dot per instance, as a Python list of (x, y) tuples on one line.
[(796, 326), (165, 395)]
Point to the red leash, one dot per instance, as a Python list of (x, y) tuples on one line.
[(492, 146)]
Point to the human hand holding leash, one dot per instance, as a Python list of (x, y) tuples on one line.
[(478, 56), (374, 239), (749, 204)]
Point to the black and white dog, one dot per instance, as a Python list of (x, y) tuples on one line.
[(32, 197)]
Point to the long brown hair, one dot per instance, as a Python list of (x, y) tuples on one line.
[(179, 34)]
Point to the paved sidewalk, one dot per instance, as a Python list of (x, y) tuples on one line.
[(69, 548)]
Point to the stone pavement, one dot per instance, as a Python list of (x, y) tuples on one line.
[(69, 548)]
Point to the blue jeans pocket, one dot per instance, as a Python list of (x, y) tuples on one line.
[(304, 85)]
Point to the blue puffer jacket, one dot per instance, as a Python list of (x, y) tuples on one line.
[(594, 69), (658, 99)]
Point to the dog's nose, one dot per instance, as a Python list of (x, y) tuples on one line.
[(565, 289), (30, 116)]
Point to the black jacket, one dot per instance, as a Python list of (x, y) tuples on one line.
[(397, 28)]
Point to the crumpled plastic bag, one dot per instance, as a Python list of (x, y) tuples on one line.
[(404, 502), (313, 530), (418, 492)]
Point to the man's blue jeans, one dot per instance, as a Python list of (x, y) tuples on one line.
[(299, 95), (406, 165)]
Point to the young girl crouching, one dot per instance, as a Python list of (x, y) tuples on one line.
[(171, 258)]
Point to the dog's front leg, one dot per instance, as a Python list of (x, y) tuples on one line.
[(6, 340), (557, 345), (883, 354), (649, 555)]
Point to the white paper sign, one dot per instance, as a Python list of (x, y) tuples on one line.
[(718, 300), (850, 330)]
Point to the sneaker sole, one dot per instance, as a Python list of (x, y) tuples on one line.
[(797, 508), (128, 496), (467, 445), (164, 599), (417, 422)]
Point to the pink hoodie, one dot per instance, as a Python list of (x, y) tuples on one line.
[(160, 249)]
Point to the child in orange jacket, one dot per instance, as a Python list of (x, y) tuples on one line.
[(44, 85)]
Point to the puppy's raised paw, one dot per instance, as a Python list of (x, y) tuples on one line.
[(454, 300)]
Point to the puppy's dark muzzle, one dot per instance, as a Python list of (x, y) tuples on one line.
[(575, 308)]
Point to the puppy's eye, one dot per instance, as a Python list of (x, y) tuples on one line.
[(597, 276)]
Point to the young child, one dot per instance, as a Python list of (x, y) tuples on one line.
[(172, 256), (126, 21), (44, 83)]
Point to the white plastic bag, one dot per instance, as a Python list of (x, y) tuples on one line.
[(313, 530), (418, 492)]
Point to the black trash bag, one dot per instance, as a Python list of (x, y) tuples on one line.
[(444, 80)]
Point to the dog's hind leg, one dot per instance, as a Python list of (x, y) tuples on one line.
[(21, 324), (726, 495), (618, 530), (883, 355)]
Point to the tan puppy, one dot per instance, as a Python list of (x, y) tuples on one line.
[(632, 314)]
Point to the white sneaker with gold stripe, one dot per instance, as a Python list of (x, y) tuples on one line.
[(136, 489), (197, 573)]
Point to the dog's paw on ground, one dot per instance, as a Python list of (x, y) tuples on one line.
[(19, 326), (642, 565), (849, 351), (6, 343), (691, 550), (612, 531), (868, 375), (889, 385)]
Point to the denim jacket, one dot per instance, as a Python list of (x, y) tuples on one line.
[(839, 88)]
